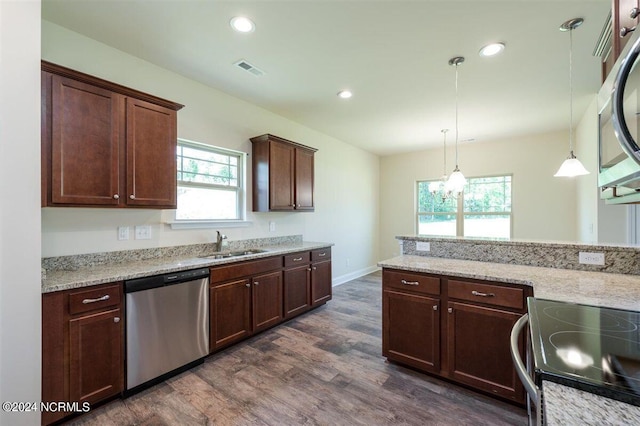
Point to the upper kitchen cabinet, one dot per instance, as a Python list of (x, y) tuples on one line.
[(105, 145), (283, 175), (616, 32)]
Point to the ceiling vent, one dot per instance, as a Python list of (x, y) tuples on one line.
[(249, 68)]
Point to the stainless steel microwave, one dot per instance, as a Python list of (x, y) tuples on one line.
[(619, 128)]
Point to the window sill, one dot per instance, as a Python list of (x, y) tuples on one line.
[(200, 224)]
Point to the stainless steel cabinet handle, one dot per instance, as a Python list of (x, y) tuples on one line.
[(133, 197), (450, 310), (635, 12), (297, 259), (624, 31), (116, 319), (405, 282), (477, 293), (99, 299), (116, 197), (322, 254), (435, 307), (527, 381)]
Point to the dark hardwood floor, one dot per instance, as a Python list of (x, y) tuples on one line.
[(323, 368)]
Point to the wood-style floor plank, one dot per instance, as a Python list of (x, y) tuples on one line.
[(322, 368)]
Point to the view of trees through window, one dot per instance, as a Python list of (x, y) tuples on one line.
[(209, 183), (482, 210)]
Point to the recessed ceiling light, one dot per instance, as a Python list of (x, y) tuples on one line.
[(242, 24), (345, 94), (491, 49)]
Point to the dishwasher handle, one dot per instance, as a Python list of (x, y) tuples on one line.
[(525, 378)]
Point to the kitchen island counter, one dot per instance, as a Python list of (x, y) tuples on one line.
[(591, 288)]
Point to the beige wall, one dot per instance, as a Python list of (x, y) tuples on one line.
[(20, 291), (346, 202), (543, 206)]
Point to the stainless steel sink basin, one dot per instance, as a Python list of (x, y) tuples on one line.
[(239, 253)]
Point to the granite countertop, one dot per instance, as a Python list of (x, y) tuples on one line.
[(590, 288), (62, 279)]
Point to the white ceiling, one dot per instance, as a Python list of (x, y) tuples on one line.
[(392, 54)]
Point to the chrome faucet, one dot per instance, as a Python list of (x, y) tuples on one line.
[(219, 240)]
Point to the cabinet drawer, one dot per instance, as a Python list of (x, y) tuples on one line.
[(491, 294), (321, 254), (95, 298), (296, 259), (410, 281), (245, 269)]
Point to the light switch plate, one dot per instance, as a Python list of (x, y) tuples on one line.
[(423, 246), (143, 232), (588, 258)]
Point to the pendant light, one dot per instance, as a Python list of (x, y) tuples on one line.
[(571, 167), (439, 186), (456, 182)]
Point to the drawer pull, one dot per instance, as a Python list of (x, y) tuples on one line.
[(435, 307), (322, 254), (116, 319), (405, 282), (99, 299), (477, 293), (297, 259)]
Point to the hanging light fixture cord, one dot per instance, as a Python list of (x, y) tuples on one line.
[(456, 65), (444, 148), (571, 155)]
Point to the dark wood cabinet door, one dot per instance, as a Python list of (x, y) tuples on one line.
[(478, 346), (267, 300), (621, 15), (411, 329), (296, 290), (230, 315), (281, 176), (321, 290), (95, 356), (151, 155), (85, 143), (304, 179)]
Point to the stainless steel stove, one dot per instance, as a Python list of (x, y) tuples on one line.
[(590, 348)]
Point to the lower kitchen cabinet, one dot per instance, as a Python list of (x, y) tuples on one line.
[(468, 342), (245, 298), (321, 290), (82, 346), (297, 284)]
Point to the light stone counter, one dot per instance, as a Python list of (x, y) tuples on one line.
[(591, 288), (75, 277)]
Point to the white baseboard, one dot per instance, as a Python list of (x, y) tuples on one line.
[(353, 275)]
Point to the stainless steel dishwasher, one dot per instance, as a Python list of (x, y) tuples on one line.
[(167, 325)]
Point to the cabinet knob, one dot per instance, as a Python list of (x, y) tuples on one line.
[(435, 307), (635, 12), (116, 197), (256, 283), (248, 285), (624, 31), (293, 205), (116, 319), (133, 197), (450, 310)]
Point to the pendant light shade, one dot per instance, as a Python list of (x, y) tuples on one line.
[(571, 167), (456, 182)]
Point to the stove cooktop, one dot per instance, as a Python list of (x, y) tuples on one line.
[(591, 348)]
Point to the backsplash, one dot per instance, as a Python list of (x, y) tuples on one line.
[(618, 259), (192, 250)]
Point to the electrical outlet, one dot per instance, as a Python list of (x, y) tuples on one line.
[(587, 258), (143, 232), (272, 226), (348, 262), (123, 233), (423, 246)]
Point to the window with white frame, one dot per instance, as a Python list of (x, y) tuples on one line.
[(210, 183), (483, 209)]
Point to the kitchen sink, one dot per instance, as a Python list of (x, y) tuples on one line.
[(225, 255)]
